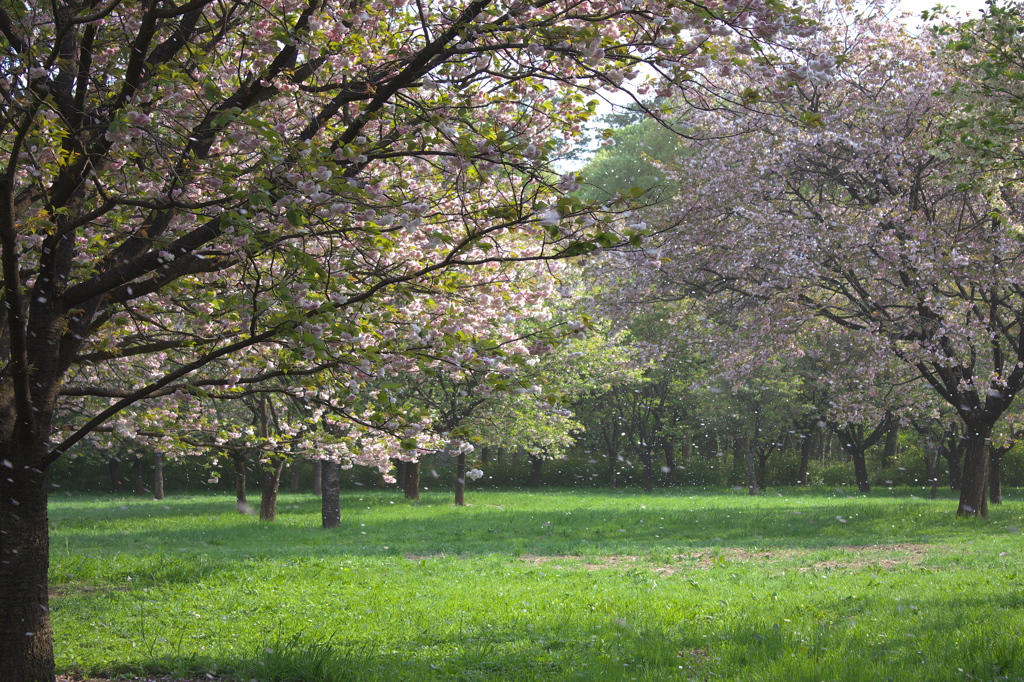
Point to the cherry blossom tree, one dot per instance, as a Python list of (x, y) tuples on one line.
[(832, 198), (207, 183)]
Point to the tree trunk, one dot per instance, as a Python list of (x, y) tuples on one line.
[(239, 462), (931, 466), (485, 454), (293, 477), (762, 465), (271, 482), (751, 470), (973, 501), (535, 466), (612, 460), (412, 480), (806, 448), (330, 502), (860, 470), (740, 454), (460, 480), (158, 476), (670, 461), (138, 485), (26, 640), (318, 469), (891, 448), (114, 469)]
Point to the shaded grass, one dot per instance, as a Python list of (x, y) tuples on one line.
[(555, 585)]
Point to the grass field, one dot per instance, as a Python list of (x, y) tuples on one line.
[(689, 584)]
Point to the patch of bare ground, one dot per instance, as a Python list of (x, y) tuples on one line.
[(851, 557)]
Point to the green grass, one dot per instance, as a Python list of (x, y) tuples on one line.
[(802, 585)]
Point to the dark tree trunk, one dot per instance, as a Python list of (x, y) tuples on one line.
[(751, 470), (271, 482), (891, 448), (535, 466), (138, 486), (648, 461), (806, 448), (460, 480), (931, 466), (330, 501), (485, 454), (670, 461), (26, 640), (740, 455), (412, 480), (860, 470), (762, 465), (114, 469), (239, 465), (612, 461), (293, 477), (973, 501), (318, 468), (158, 476)]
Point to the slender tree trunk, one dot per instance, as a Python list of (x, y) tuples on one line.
[(891, 448), (158, 476), (271, 482), (239, 465), (751, 470), (670, 461), (26, 640), (648, 461), (330, 502), (114, 469), (762, 466), (318, 468), (412, 480), (485, 454), (973, 501), (138, 485), (740, 455), (535, 466), (612, 461), (806, 448), (931, 465), (293, 477), (860, 469), (460, 480)]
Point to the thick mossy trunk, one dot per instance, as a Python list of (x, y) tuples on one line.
[(26, 640), (330, 500), (973, 501), (460, 480), (412, 480), (271, 483)]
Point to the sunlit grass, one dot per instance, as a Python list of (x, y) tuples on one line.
[(555, 585)]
